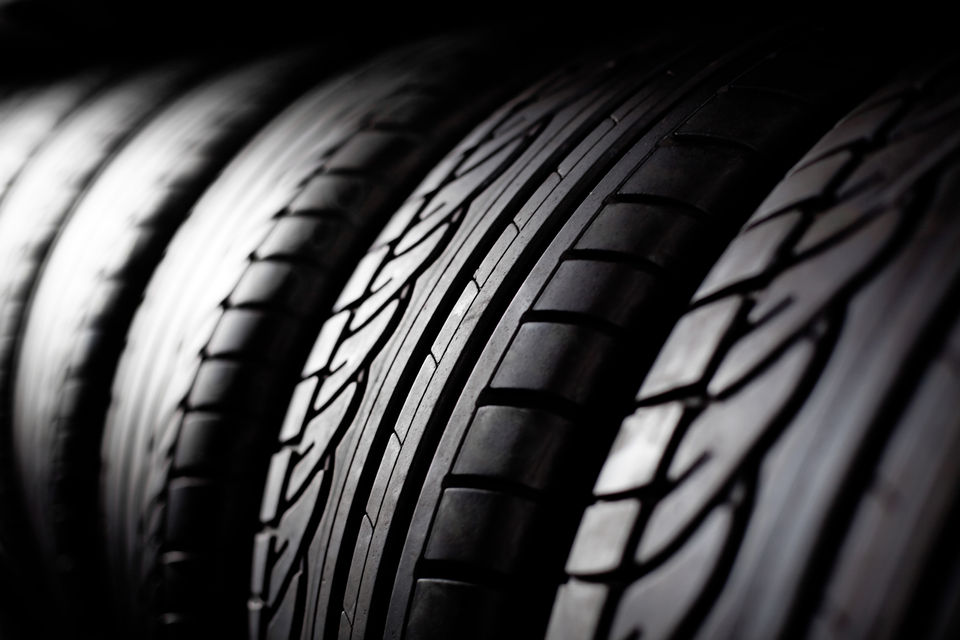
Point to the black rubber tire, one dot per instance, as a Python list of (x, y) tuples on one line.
[(228, 321), (441, 445), (790, 468), (75, 310), (30, 116), (37, 202)]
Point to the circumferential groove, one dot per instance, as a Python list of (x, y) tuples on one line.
[(385, 379)]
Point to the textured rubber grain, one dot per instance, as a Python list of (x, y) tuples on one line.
[(435, 457), (790, 469), (228, 321), (91, 283)]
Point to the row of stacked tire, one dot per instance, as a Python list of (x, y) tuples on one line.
[(651, 336)]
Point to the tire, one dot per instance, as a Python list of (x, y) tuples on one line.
[(228, 320), (442, 442), (789, 468), (38, 201), (136, 161), (29, 118)]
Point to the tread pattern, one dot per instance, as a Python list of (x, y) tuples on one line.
[(907, 515), (680, 500), (92, 281), (476, 272), (365, 316), (301, 200)]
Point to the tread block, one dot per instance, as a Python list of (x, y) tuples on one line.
[(509, 443), (281, 625), (577, 610), (659, 603), (192, 505), (282, 286), (616, 292), (829, 227), (691, 347), (201, 440), (639, 447), (758, 248), (562, 360), (254, 334), (444, 609), (717, 443), (297, 408), (707, 178), (482, 528), (241, 387), (603, 536), (806, 184), (900, 162), (326, 343), (656, 233), (317, 239)]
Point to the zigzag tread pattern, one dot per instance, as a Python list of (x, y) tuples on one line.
[(675, 496)]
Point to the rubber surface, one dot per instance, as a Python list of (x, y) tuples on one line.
[(30, 116), (430, 358), (230, 315), (432, 466), (42, 196), (90, 285), (789, 468)]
